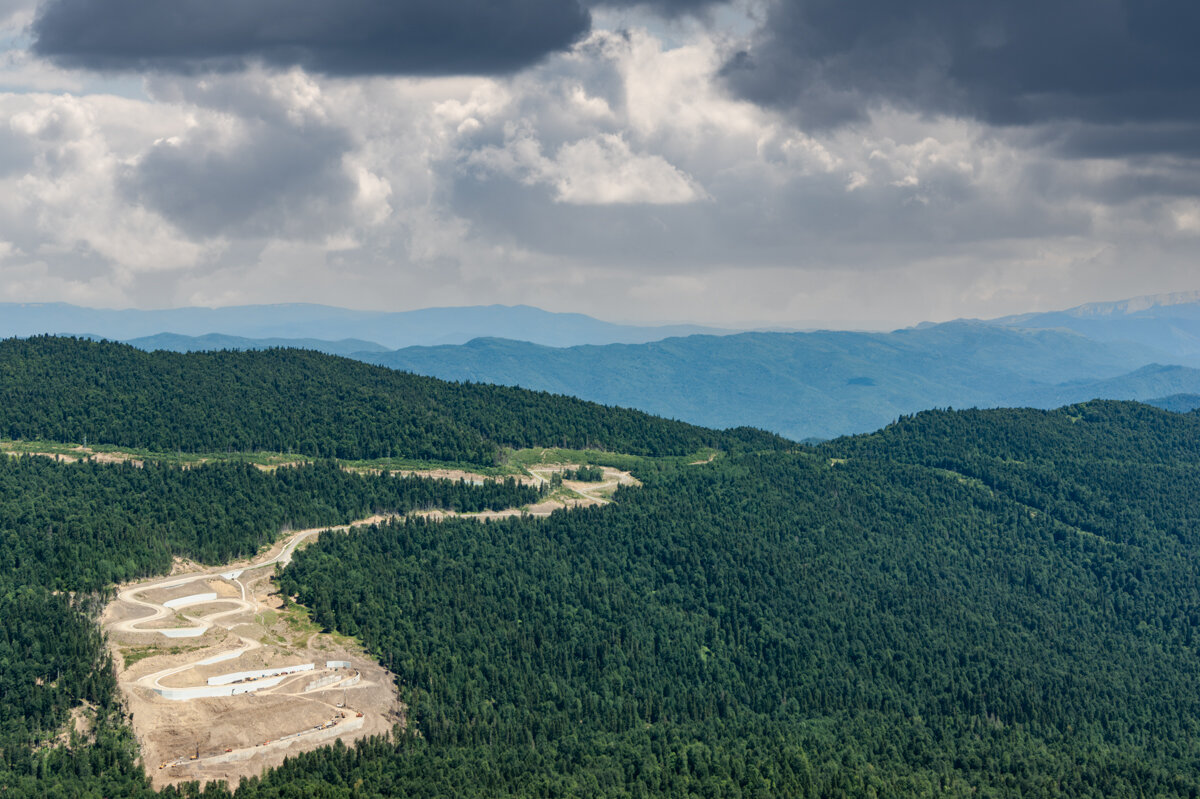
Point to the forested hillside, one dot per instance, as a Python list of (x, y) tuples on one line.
[(68, 531), (65, 389), (980, 602), (965, 603), (86, 526)]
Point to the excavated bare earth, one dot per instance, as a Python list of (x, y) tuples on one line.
[(172, 635), (286, 687)]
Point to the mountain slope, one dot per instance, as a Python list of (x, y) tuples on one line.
[(174, 342), (301, 401), (1169, 323), (426, 326), (819, 384), (1178, 403), (966, 603)]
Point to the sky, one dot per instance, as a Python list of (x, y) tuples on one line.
[(844, 163)]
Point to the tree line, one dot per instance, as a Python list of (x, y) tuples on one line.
[(299, 401)]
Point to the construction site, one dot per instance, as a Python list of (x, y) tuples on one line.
[(222, 680)]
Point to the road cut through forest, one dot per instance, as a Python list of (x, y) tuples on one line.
[(223, 677)]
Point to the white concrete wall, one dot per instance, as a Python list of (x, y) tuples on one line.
[(223, 656), (322, 682), (210, 691), (179, 632), (337, 664), (194, 599), (234, 676), (343, 727)]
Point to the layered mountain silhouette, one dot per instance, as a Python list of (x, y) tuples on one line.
[(803, 385)]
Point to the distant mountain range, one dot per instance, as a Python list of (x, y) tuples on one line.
[(1169, 323), (817, 384), (324, 327), (821, 384), (173, 342), (1177, 403)]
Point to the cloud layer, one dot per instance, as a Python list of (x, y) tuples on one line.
[(1129, 63), (351, 37), (870, 163)]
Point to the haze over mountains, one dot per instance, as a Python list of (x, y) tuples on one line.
[(821, 384), (803, 385), (1166, 322), (323, 327)]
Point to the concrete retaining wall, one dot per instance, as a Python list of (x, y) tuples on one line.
[(337, 664), (345, 726), (322, 682), (194, 599), (223, 656), (355, 680), (234, 676), (210, 691), (179, 632)]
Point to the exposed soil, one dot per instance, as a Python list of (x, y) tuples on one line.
[(166, 656), (226, 738)]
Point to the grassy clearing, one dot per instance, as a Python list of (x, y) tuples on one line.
[(131, 656), (79, 451), (512, 462), (262, 458), (299, 619), (636, 465)]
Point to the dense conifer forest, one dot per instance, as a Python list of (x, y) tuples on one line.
[(974, 603), (837, 622), (65, 389), (85, 526), (68, 531)]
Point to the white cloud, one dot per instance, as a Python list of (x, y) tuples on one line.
[(603, 170), (600, 170), (63, 199), (618, 179)]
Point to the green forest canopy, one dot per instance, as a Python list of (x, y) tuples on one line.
[(69, 389), (971, 602), (965, 603)]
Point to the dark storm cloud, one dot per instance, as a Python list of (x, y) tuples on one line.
[(667, 8), (338, 37), (277, 179), (1010, 62)]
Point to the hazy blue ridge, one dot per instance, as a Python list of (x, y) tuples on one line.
[(302, 321), (821, 384), (1168, 323), (1177, 403), (174, 342)]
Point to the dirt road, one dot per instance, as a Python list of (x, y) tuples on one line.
[(222, 682)]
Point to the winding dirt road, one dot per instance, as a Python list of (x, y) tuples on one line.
[(237, 685)]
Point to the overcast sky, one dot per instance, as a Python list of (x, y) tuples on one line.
[(862, 163)]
